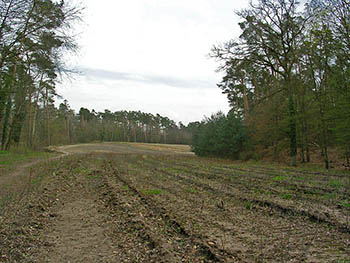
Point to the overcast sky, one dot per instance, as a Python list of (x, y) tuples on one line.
[(151, 55)]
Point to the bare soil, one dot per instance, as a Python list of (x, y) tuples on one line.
[(133, 203)]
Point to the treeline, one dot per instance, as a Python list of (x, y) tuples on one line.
[(59, 126), (124, 126), (287, 76), (34, 36)]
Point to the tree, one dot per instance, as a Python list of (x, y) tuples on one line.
[(34, 35), (219, 135), (272, 32)]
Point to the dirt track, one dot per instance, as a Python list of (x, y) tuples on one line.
[(151, 203)]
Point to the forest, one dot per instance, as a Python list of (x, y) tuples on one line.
[(287, 80), (34, 37)]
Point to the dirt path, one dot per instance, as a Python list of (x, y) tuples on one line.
[(79, 233)]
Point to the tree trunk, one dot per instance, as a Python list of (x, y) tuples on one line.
[(292, 132), (16, 127), (6, 123), (48, 117), (29, 121), (35, 116)]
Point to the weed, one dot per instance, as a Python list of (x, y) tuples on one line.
[(329, 196), (300, 178), (81, 170), (280, 178), (95, 176), (191, 190), (336, 184), (151, 191), (196, 227), (287, 196), (248, 205), (346, 204), (125, 188), (291, 187)]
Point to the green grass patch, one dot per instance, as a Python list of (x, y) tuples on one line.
[(9, 158), (248, 205), (343, 261), (346, 204), (151, 191), (280, 178), (330, 196), (125, 188), (300, 178), (287, 196), (336, 183), (86, 171), (191, 190)]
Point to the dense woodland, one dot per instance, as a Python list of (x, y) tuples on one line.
[(287, 77), (34, 36)]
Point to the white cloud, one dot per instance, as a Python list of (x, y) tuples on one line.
[(160, 46)]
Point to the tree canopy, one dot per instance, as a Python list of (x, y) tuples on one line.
[(288, 74)]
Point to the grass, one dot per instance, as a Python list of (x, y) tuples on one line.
[(248, 205), (9, 158), (280, 178), (346, 204), (125, 188), (329, 196), (191, 190), (336, 183), (151, 191), (287, 196)]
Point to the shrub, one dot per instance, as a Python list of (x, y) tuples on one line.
[(220, 136)]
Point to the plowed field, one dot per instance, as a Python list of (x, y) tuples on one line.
[(153, 203)]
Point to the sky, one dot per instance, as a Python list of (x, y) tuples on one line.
[(152, 56)]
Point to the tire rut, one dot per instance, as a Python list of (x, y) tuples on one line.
[(177, 229)]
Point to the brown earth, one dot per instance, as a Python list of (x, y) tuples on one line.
[(133, 203)]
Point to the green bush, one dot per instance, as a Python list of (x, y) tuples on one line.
[(220, 136)]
